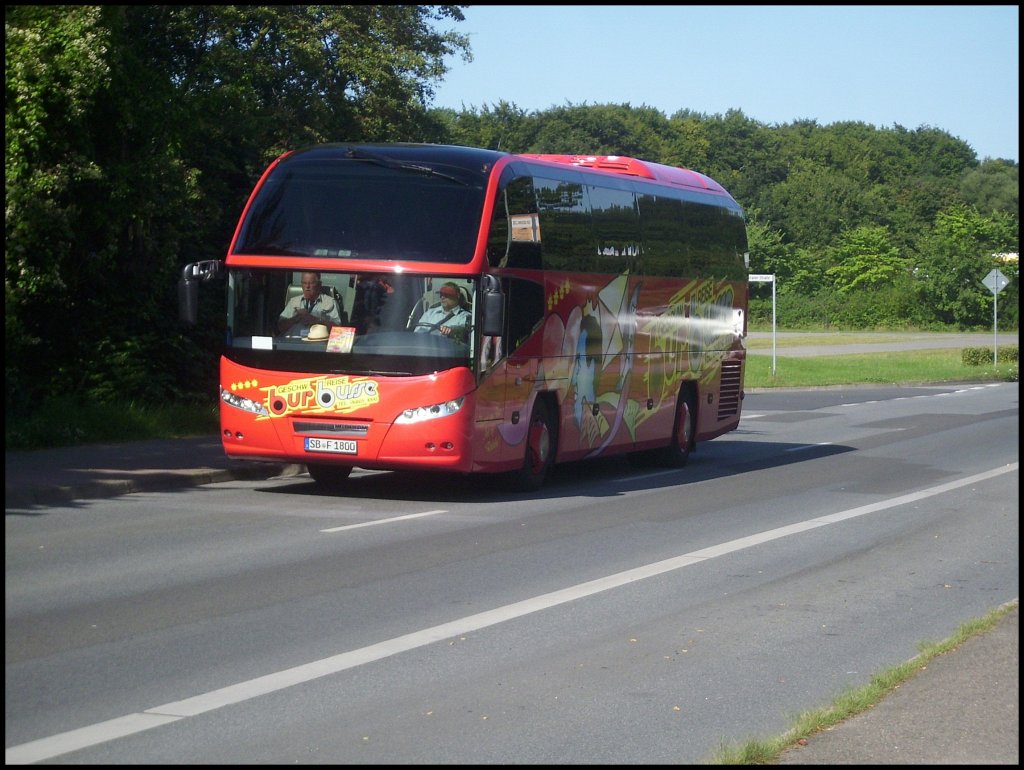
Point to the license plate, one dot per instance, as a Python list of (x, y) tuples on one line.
[(336, 445)]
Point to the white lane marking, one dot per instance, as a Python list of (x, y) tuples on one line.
[(91, 735), (807, 446), (383, 521)]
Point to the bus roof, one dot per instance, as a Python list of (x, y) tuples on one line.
[(471, 157), (618, 164)]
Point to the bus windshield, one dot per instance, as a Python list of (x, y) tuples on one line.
[(352, 323), (364, 206)]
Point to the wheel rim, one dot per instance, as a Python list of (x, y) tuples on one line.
[(684, 427), (539, 445)]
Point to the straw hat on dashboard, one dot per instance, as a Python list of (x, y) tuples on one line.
[(317, 333)]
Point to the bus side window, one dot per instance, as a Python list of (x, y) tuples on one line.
[(514, 239), (525, 310), (566, 226)]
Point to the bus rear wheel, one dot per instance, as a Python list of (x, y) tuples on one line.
[(540, 449), (328, 475), (684, 430)]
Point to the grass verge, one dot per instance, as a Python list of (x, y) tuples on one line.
[(853, 701), (890, 368), (63, 423)]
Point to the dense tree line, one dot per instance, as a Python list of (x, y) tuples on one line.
[(134, 135)]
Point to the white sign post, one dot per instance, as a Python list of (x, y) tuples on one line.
[(768, 278), (995, 282)]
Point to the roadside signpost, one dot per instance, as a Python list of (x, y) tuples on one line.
[(995, 282), (767, 278)]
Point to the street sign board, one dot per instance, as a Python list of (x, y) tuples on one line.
[(759, 278), (995, 281)]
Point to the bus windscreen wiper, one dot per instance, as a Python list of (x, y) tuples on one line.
[(386, 162)]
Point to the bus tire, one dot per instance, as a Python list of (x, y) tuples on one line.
[(541, 440), (328, 475), (684, 431)]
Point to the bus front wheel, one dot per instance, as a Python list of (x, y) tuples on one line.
[(540, 449), (328, 475)]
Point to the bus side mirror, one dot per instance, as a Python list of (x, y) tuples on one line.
[(188, 299), (188, 287), (493, 322), (494, 315)]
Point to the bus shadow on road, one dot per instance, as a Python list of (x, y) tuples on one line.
[(598, 477), (712, 461)]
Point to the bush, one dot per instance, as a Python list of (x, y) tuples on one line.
[(983, 356), (885, 307)]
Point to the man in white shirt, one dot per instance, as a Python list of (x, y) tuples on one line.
[(310, 307)]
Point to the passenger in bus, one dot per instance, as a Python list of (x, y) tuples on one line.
[(448, 317), (372, 294), (313, 306)]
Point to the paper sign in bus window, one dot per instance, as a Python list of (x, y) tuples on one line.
[(525, 228)]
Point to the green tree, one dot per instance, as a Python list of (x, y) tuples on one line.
[(956, 256), (769, 252), (55, 61), (134, 134), (807, 275), (865, 258), (502, 126), (602, 129), (689, 145), (744, 157), (815, 203), (934, 151), (992, 187)]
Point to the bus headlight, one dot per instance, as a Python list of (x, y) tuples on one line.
[(423, 413), (245, 404)]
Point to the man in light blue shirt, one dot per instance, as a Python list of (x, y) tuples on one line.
[(446, 317)]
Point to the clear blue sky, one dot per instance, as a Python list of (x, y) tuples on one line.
[(954, 68)]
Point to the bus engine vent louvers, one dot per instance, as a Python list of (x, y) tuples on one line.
[(331, 428), (729, 394)]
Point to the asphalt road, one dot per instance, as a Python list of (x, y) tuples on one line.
[(618, 616)]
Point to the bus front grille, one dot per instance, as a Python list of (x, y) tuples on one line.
[(331, 428)]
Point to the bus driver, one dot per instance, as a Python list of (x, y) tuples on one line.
[(447, 316)]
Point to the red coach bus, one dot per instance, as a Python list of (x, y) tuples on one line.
[(585, 306)]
